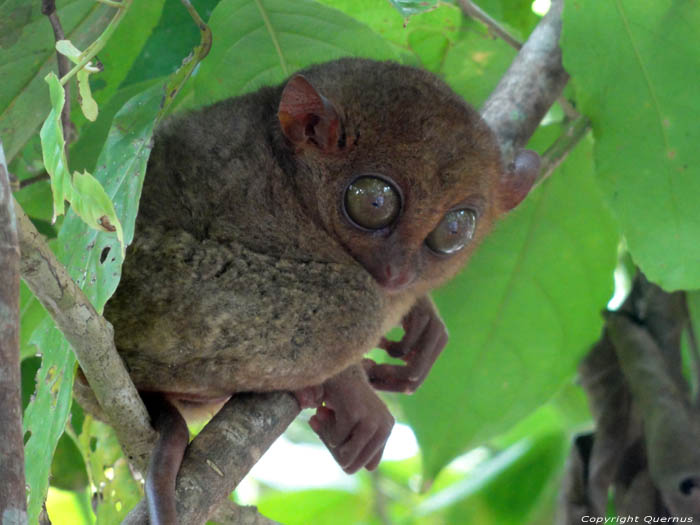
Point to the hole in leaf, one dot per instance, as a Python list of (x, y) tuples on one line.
[(687, 485), (27, 435), (93, 444), (104, 254)]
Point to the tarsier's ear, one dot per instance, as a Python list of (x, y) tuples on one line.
[(518, 179), (307, 117)]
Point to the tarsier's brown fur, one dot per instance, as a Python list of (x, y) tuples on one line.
[(246, 275)]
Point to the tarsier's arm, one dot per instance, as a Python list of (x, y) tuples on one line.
[(424, 339)]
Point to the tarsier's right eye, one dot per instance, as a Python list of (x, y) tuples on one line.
[(372, 202)]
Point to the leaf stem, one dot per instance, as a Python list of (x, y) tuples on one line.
[(98, 44)]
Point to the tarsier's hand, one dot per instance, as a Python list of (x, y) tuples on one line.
[(425, 337), (353, 422)]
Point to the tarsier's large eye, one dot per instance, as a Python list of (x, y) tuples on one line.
[(372, 202), (454, 231)]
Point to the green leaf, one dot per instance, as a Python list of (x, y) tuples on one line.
[(487, 495), (474, 64), (53, 148), (320, 507), (636, 68), (47, 414), (68, 467), (27, 55), (283, 36), (520, 316), (407, 8), (32, 314), (170, 41)]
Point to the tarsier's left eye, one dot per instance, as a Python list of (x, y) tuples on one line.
[(454, 231), (372, 202)]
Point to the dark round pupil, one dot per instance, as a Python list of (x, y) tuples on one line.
[(372, 203), (454, 231)]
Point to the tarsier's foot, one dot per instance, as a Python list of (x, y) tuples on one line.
[(424, 339), (353, 422)]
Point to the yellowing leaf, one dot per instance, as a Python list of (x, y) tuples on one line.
[(92, 204), (66, 47), (87, 103)]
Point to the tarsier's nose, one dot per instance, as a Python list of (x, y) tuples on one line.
[(394, 277)]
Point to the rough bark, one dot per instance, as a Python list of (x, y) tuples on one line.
[(13, 508)]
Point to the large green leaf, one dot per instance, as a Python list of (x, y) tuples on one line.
[(283, 36), (27, 55), (170, 42), (520, 316), (636, 67)]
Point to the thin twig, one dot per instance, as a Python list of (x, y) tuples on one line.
[(561, 148), (31, 180), (48, 8), (569, 109), (474, 11)]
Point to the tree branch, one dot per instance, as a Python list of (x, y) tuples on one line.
[(91, 337), (12, 497), (530, 86)]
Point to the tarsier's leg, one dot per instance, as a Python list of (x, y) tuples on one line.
[(165, 459), (353, 422)]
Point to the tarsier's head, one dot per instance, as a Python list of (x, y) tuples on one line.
[(414, 174)]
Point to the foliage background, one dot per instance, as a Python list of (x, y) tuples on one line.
[(520, 316)]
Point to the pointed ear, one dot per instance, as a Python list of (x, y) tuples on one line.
[(307, 117), (518, 179)]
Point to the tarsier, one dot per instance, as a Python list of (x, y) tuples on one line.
[(282, 233)]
